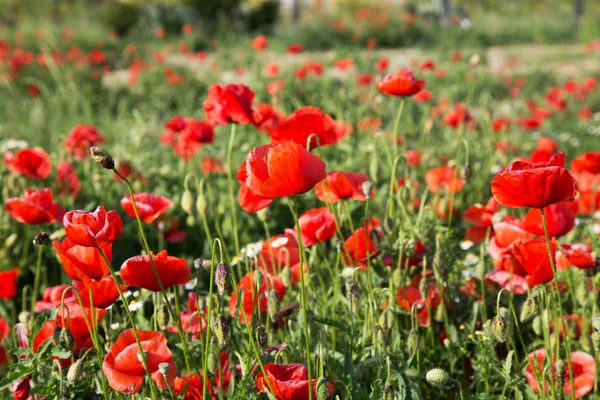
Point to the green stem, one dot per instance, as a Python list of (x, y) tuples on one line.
[(36, 283), (231, 193), (208, 320)]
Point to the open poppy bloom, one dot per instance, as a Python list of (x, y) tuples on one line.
[(360, 246), (587, 162), (512, 282), (45, 333), (37, 207), (8, 283), (523, 185), (251, 202), (560, 220), (499, 247), (52, 297), (137, 271), (81, 138), (93, 229), (4, 331), (104, 291), (150, 206), (401, 83), (584, 369), (260, 42), (278, 252), (247, 287), (280, 170), (444, 178), (533, 256), (123, 368), (34, 163), (289, 381), (266, 118), (480, 216), (316, 225), (79, 261), (193, 385), (232, 103), (458, 116), (305, 122), (408, 296), (577, 254), (341, 186), (67, 180)]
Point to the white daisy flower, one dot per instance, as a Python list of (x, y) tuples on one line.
[(191, 284), (471, 259), (253, 250), (135, 305), (466, 244)]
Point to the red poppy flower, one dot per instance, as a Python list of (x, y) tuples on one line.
[(423, 96), (104, 291), (80, 261), (75, 320), (176, 123), (266, 118), (305, 122), (316, 225), (499, 247), (192, 323), (401, 83), (247, 286), (34, 163), (68, 182), (20, 389), (289, 381), (280, 170), (45, 333), (533, 256), (481, 215), (408, 296), (359, 247), (4, 331), (8, 283), (458, 116), (52, 297), (278, 252), (260, 42), (36, 208), (150, 206), (501, 124), (587, 162), (251, 202), (137, 271), (273, 88), (584, 369), (382, 64), (560, 220), (578, 255), (443, 178), (364, 80), (341, 186), (81, 138), (193, 385), (232, 103), (527, 185), (573, 325), (93, 229), (295, 48), (123, 368), (514, 283)]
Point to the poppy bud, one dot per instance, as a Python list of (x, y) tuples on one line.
[(585, 342), (381, 336), (528, 310), (259, 278), (213, 358), (272, 305), (439, 313), (581, 294), (367, 188), (467, 172), (286, 276), (437, 377), (596, 340), (163, 317), (41, 239), (596, 322), (388, 225), (76, 370), (263, 215), (500, 328), (389, 393), (187, 201), (261, 337), (412, 342), (164, 368), (322, 389), (352, 295), (222, 278), (201, 204), (24, 317), (386, 320), (221, 329), (537, 325), (375, 238), (102, 158), (190, 220), (559, 366), (66, 339)]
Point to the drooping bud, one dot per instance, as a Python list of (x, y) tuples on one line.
[(286, 276), (222, 278), (24, 317), (596, 340), (353, 295), (221, 329), (537, 325), (201, 204), (187, 201), (264, 214), (381, 336), (500, 328), (581, 294), (163, 317), (386, 320), (102, 158), (412, 342), (213, 357), (367, 188), (41, 239), (467, 172), (66, 339), (259, 278), (322, 389), (388, 225), (190, 220), (596, 322), (261, 337), (437, 377), (164, 368), (528, 310), (272, 305), (76, 370)]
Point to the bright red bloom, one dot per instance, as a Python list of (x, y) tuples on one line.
[(266, 118), (80, 261), (444, 178), (533, 256), (587, 162), (458, 116), (193, 386), (578, 255), (68, 182), (36, 208), (560, 220), (273, 88), (514, 283), (289, 381), (4, 331), (93, 229), (585, 113), (34, 163), (75, 319), (260, 42), (480, 216), (150, 206), (20, 389), (295, 48), (212, 165), (104, 291), (176, 123), (247, 286), (501, 124), (364, 80), (499, 247), (251, 202), (280, 170), (278, 252), (408, 296), (137, 271), (45, 333), (316, 225), (360, 245), (305, 122), (534, 185), (423, 96), (8, 283), (584, 369), (382, 64), (341, 186), (413, 158), (232, 103), (401, 83), (125, 372), (52, 297), (81, 138)]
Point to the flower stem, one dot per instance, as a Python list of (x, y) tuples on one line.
[(208, 318), (36, 283), (230, 186)]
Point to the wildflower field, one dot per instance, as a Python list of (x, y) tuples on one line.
[(261, 216)]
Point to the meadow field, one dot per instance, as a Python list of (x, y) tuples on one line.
[(363, 205)]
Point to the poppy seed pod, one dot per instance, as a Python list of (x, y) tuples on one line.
[(76, 370), (187, 201), (412, 341), (353, 295), (221, 329), (102, 158), (222, 278), (272, 305), (528, 310), (286, 276), (500, 328), (437, 377), (261, 337), (322, 389)]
